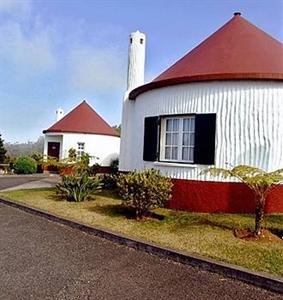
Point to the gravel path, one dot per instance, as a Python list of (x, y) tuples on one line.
[(40, 259)]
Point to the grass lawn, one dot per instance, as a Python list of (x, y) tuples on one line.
[(209, 235)]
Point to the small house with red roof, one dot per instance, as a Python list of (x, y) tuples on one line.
[(85, 131), (219, 105)]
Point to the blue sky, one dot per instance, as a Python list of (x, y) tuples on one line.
[(56, 53)]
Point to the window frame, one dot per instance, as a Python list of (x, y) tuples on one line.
[(80, 152), (162, 139)]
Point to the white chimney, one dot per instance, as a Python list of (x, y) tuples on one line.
[(59, 114), (136, 60)]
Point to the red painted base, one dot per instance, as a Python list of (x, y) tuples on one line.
[(211, 197)]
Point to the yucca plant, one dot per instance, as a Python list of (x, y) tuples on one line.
[(259, 181), (77, 188)]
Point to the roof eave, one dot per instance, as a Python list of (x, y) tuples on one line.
[(203, 77), (79, 132)]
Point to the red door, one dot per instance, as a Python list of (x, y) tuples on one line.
[(53, 149)]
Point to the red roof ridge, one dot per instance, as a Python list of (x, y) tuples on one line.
[(237, 50), (83, 119)]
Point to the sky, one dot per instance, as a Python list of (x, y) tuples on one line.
[(57, 53)]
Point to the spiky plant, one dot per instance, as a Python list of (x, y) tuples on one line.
[(77, 188)]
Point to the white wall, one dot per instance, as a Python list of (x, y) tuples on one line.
[(136, 63), (136, 60), (105, 148), (249, 128), (52, 137)]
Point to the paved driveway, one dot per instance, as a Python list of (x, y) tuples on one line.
[(14, 182), (40, 259)]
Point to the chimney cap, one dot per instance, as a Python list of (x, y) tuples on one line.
[(237, 13)]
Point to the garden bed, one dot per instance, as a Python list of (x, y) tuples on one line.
[(209, 235)]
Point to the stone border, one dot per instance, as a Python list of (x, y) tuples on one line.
[(258, 279)]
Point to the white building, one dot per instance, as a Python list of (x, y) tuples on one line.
[(85, 131), (220, 105)]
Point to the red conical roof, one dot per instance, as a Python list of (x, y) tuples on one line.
[(238, 50), (82, 119)]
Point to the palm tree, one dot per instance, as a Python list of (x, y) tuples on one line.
[(258, 180)]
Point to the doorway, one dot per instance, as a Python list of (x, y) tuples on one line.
[(53, 149)]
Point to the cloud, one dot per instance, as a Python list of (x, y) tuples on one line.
[(29, 54), (98, 69), (15, 8)]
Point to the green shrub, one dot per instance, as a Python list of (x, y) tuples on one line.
[(108, 181), (38, 157), (114, 166), (144, 190), (82, 164), (94, 169), (77, 188), (25, 165), (72, 154)]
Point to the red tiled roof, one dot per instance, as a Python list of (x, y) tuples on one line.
[(238, 50), (82, 119)]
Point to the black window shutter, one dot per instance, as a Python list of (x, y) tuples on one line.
[(151, 138), (205, 128)]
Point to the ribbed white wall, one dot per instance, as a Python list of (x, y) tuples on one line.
[(249, 128)]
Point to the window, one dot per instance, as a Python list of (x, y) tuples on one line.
[(184, 138), (141, 41), (81, 150), (177, 139)]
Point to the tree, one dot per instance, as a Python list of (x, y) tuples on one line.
[(25, 148), (259, 181), (117, 128), (2, 150)]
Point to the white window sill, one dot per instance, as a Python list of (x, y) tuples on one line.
[(175, 164)]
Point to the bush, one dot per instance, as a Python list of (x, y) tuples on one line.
[(72, 154), (114, 166), (51, 163), (108, 181), (144, 190), (77, 188), (38, 157), (95, 169), (25, 165), (82, 164)]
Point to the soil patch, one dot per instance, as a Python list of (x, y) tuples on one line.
[(248, 235)]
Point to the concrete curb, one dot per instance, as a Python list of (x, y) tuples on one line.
[(266, 281)]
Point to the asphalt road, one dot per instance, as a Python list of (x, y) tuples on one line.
[(40, 259), (32, 181), (11, 181)]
